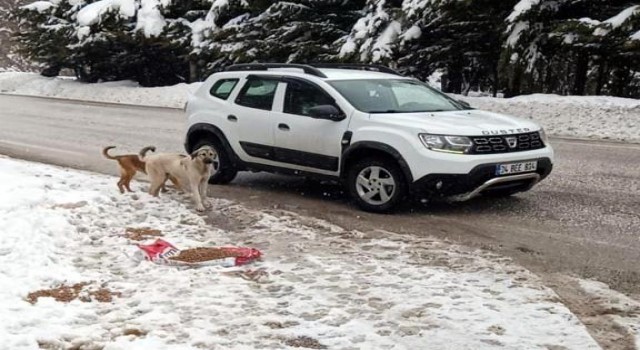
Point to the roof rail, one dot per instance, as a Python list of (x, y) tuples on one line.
[(266, 66), (367, 67)]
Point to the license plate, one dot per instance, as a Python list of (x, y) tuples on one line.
[(516, 168)]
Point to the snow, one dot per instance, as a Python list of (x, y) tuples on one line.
[(521, 7), (619, 19), (623, 310), (92, 13), (412, 33), (150, 20), (600, 117), (39, 6), (383, 46), (126, 92), (346, 289), (515, 31), (635, 36)]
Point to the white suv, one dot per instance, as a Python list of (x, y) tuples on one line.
[(382, 134)]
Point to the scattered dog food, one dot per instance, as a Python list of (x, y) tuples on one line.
[(62, 294), (163, 252), (142, 233), (281, 325), (102, 295), (74, 205), (134, 332), (304, 342), (258, 275), (196, 255), (66, 294)]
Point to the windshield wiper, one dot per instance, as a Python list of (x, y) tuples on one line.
[(389, 111), (420, 111)]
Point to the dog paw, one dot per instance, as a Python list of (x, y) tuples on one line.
[(200, 208)]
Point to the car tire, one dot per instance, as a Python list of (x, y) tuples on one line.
[(376, 184), (224, 171)]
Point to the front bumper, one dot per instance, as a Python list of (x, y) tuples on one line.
[(479, 179)]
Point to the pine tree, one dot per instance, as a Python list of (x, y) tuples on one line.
[(299, 31), (45, 33), (374, 37)]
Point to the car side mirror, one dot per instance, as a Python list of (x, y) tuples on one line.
[(329, 112), (464, 104)]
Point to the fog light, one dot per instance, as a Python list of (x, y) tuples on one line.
[(438, 185)]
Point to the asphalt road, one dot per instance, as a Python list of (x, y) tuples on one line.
[(583, 220)]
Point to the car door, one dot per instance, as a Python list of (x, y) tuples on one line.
[(303, 141), (253, 115)]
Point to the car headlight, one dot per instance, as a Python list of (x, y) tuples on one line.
[(447, 143), (543, 136)]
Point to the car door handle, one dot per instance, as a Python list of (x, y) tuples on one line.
[(232, 118), (284, 127)]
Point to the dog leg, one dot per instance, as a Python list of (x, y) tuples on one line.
[(176, 183), (195, 193), (127, 179), (156, 183), (204, 185), (121, 181)]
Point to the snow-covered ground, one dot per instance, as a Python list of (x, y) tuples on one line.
[(343, 289), (598, 117), (126, 92)]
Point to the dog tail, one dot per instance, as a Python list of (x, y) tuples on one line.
[(143, 152), (105, 152)]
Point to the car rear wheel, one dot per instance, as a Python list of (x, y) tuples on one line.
[(222, 171), (376, 184)]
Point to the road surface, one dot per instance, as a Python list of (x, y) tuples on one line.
[(584, 219)]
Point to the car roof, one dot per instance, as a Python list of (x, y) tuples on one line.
[(352, 74), (330, 73)]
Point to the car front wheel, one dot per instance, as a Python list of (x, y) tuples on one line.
[(376, 184)]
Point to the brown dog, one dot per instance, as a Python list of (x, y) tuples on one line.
[(129, 165)]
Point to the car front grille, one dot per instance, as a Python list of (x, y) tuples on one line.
[(490, 144)]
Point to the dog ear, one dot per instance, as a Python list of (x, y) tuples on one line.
[(194, 154)]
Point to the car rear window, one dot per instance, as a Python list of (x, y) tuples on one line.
[(223, 88)]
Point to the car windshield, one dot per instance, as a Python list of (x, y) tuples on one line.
[(394, 96)]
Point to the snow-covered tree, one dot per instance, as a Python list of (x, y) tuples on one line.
[(374, 37), (261, 31), (586, 43)]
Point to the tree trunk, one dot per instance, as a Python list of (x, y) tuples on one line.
[(496, 81), (193, 70), (582, 67), (601, 75), (454, 83)]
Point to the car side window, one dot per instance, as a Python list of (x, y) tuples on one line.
[(258, 93), (223, 88), (300, 97)]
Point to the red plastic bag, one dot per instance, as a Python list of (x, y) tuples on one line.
[(161, 251)]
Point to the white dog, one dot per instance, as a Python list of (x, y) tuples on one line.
[(191, 173)]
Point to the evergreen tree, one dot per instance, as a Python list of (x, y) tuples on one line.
[(374, 37), (461, 38), (261, 31)]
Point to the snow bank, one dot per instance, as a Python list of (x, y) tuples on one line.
[(127, 92), (624, 311), (598, 117), (343, 289)]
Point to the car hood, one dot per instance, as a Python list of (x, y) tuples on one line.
[(466, 122)]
